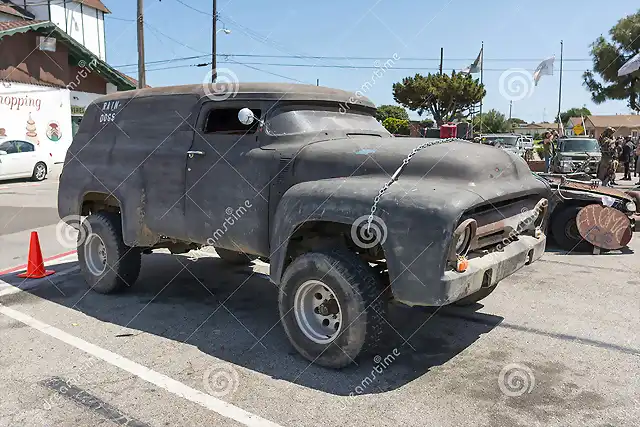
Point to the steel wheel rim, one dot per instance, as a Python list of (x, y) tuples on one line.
[(317, 312), (40, 171), (95, 253)]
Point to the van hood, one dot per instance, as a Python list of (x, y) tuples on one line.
[(363, 155)]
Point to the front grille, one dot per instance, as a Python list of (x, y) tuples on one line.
[(491, 212), (495, 220)]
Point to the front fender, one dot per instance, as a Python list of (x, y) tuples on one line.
[(417, 225), (336, 200)]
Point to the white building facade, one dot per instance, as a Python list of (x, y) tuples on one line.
[(81, 19)]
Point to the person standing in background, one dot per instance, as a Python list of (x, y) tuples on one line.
[(637, 169), (625, 158), (608, 150), (547, 145)]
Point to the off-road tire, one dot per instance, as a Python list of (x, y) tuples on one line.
[(565, 231), (34, 175), (123, 262), (362, 299), (476, 296), (235, 258)]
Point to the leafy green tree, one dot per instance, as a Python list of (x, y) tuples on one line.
[(608, 57), (395, 111), (396, 126), (517, 122), (573, 112), (493, 121), (444, 97), (427, 123)]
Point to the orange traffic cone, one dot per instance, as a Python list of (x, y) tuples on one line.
[(35, 266)]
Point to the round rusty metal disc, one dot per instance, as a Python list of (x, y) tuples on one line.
[(604, 227)]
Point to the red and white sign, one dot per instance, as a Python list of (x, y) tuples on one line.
[(38, 115)]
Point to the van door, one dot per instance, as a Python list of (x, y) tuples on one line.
[(227, 180)]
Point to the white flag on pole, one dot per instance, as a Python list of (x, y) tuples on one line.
[(631, 65), (475, 66), (544, 69)]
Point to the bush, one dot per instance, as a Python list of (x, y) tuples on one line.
[(396, 126)]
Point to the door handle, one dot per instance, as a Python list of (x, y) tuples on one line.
[(193, 153)]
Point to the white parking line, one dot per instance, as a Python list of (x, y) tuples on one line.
[(160, 380)]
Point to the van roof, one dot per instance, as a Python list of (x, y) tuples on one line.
[(260, 91)]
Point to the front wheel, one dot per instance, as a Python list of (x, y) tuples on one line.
[(39, 172), (332, 306), (107, 263)]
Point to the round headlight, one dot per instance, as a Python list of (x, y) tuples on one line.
[(462, 240), (631, 206)]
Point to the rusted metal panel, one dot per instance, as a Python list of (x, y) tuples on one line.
[(604, 227)]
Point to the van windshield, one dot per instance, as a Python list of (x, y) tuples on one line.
[(318, 119), (588, 145)]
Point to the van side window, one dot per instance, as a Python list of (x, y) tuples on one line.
[(225, 120)]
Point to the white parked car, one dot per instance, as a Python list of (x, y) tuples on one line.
[(22, 159), (516, 144)]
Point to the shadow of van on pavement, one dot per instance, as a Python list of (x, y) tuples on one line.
[(231, 313)]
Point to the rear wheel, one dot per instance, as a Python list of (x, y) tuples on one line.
[(235, 258), (477, 296), (39, 172), (107, 264), (564, 229), (332, 307)]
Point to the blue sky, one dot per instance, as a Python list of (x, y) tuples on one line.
[(518, 34)]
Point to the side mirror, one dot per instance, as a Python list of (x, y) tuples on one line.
[(245, 116), (2, 152)]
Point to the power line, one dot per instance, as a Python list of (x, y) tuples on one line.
[(174, 40), (227, 62), (239, 55), (119, 19), (194, 9), (335, 66)]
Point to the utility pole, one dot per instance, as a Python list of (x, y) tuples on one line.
[(560, 90), (142, 80), (214, 72), (441, 58), (510, 108)]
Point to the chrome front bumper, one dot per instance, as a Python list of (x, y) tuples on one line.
[(488, 269)]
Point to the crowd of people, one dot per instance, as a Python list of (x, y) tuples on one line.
[(615, 151)]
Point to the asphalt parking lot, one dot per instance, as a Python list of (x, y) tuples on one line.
[(197, 342)]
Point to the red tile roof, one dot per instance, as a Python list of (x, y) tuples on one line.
[(616, 121), (12, 25), (96, 4), (8, 7), (131, 79)]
